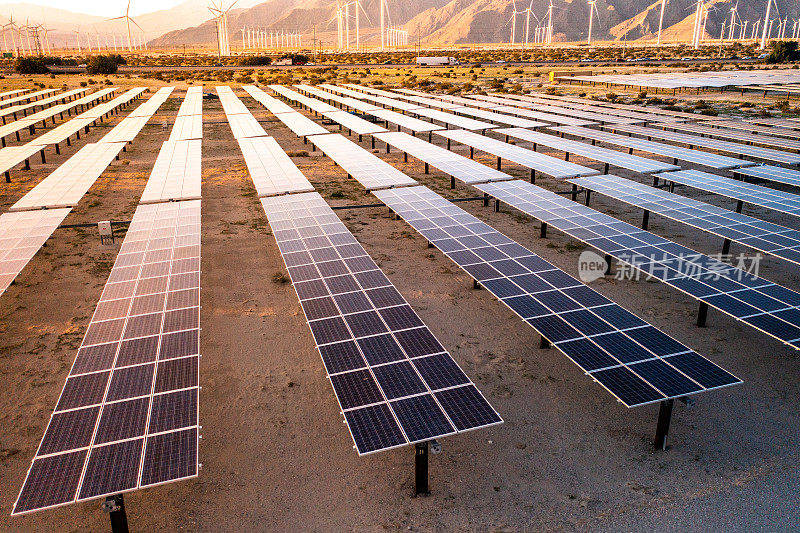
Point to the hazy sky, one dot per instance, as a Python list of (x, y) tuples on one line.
[(104, 8), (111, 8)]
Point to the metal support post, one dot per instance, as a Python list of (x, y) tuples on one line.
[(115, 507), (421, 451), (662, 429), (702, 314), (645, 218)]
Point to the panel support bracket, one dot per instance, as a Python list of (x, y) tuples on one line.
[(115, 507), (421, 451), (662, 429)]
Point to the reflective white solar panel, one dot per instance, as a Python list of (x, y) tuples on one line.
[(712, 144), (311, 103), (522, 156), (127, 417), (176, 174), (12, 93), (63, 131), (699, 157), (734, 135), (369, 170), (353, 123), (187, 127), (614, 105), (149, 108), (272, 104), (612, 157), (100, 110), (456, 165), (757, 128), (766, 237), (245, 125), (301, 125), (781, 201), (777, 122), (21, 236), (404, 121), (126, 130), (29, 99), (192, 103), (457, 121), (67, 184), (11, 156), (788, 176), (271, 170), (230, 102), (592, 116)]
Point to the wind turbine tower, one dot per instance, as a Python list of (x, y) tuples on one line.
[(592, 13)]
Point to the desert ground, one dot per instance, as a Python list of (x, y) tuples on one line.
[(275, 454)]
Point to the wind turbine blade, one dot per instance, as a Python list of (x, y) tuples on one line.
[(135, 23)]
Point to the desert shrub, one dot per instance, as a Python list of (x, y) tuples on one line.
[(783, 52), (104, 64), (255, 61)]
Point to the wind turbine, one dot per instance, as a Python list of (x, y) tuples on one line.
[(733, 21), (550, 23), (528, 12), (128, 21), (592, 11), (661, 20), (766, 24)]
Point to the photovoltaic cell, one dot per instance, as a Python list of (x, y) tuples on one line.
[(599, 336), (709, 280), (127, 416), (378, 354), (767, 237)]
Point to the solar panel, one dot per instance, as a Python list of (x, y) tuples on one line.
[(344, 100), (353, 123), (456, 121), (616, 105), (776, 200), (245, 125), (31, 102), (634, 361), (273, 105), (756, 301), (764, 236), (404, 121), (47, 112), (543, 117), (187, 127), (127, 417), (735, 135), (755, 128), (369, 170), (67, 184), (271, 170), (104, 108), (149, 108), (11, 156), (176, 174), (713, 144), (431, 102), (230, 102), (63, 131), (707, 159), (605, 155), (301, 125), (21, 236), (311, 103), (393, 103), (12, 93), (639, 115), (395, 383), (192, 103), (522, 156), (772, 173), (126, 130), (776, 122), (458, 166), (592, 116)]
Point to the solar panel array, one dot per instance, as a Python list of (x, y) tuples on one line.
[(30, 100), (734, 135), (698, 157), (311, 103), (456, 121), (395, 383), (127, 416), (634, 361), (591, 116), (758, 302), (613, 105), (176, 174), (776, 200), (151, 106), (272, 104), (231, 104), (755, 128), (605, 155), (245, 125), (354, 123), (788, 176), (764, 236), (456, 165), (189, 122), (369, 170), (107, 107), (21, 236), (271, 170), (638, 115), (67, 184), (52, 111), (713, 144), (522, 156)]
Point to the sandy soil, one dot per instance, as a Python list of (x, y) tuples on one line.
[(275, 454)]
